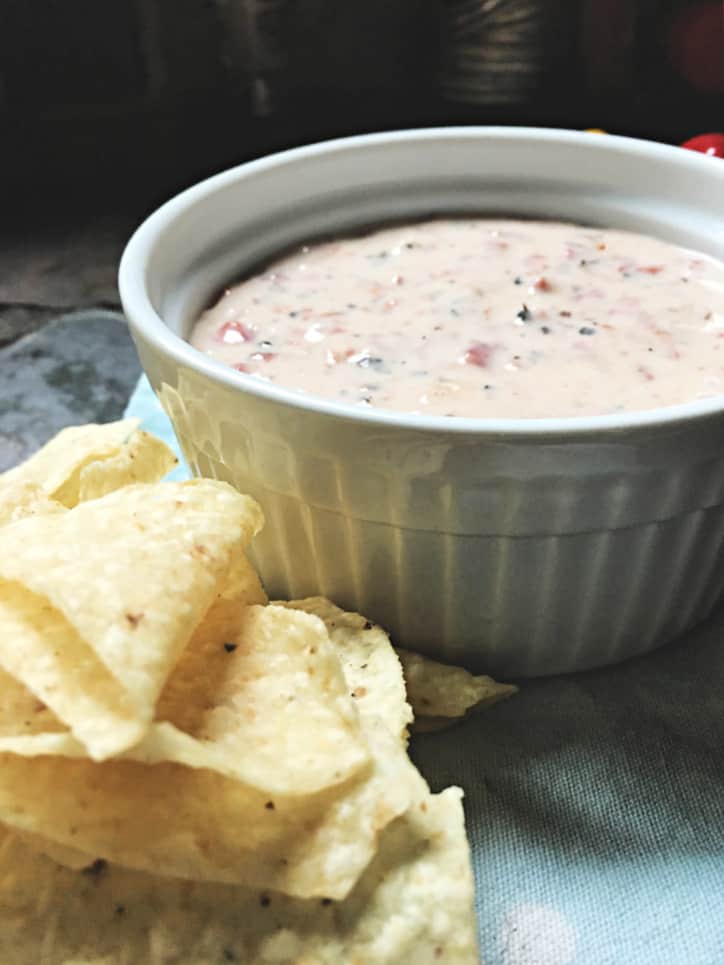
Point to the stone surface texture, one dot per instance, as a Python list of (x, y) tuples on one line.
[(79, 368), (65, 353)]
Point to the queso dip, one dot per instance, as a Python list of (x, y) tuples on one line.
[(480, 317)]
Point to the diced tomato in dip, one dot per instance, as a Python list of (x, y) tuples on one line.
[(481, 318)]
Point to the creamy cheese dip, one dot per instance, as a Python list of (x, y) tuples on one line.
[(481, 318)]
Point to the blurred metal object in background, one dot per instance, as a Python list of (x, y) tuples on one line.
[(498, 52)]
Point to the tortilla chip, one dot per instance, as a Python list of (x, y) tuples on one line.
[(19, 499), (58, 466), (370, 664), (273, 700), (441, 694), (413, 904), (22, 714), (98, 603), (272, 725), (142, 459), (193, 823), (156, 725), (66, 857), (269, 709), (39, 647)]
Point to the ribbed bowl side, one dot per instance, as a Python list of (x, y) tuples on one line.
[(513, 606), (574, 597)]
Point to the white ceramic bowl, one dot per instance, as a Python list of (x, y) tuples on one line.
[(524, 547)]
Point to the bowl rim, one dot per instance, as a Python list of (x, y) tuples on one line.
[(142, 315)]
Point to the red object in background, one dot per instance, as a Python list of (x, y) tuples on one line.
[(695, 44), (711, 144)]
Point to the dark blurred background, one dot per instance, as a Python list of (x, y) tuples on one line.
[(108, 107), (138, 98)]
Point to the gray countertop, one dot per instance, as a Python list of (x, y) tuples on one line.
[(78, 368), (65, 353)]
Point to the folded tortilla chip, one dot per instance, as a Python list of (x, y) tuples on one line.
[(285, 784), (193, 823), (267, 706), (19, 499), (369, 661), (98, 603), (67, 467), (436, 694), (24, 717), (272, 699), (414, 903), (142, 459), (442, 694)]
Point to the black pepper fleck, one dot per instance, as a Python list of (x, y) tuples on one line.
[(325, 901), (264, 901), (120, 909), (97, 868), (524, 314), (545, 330), (269, 805), (586, 330), (517, 280), (368, 625), (230, 647)]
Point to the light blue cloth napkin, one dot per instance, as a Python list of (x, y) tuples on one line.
[(595, 804)]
